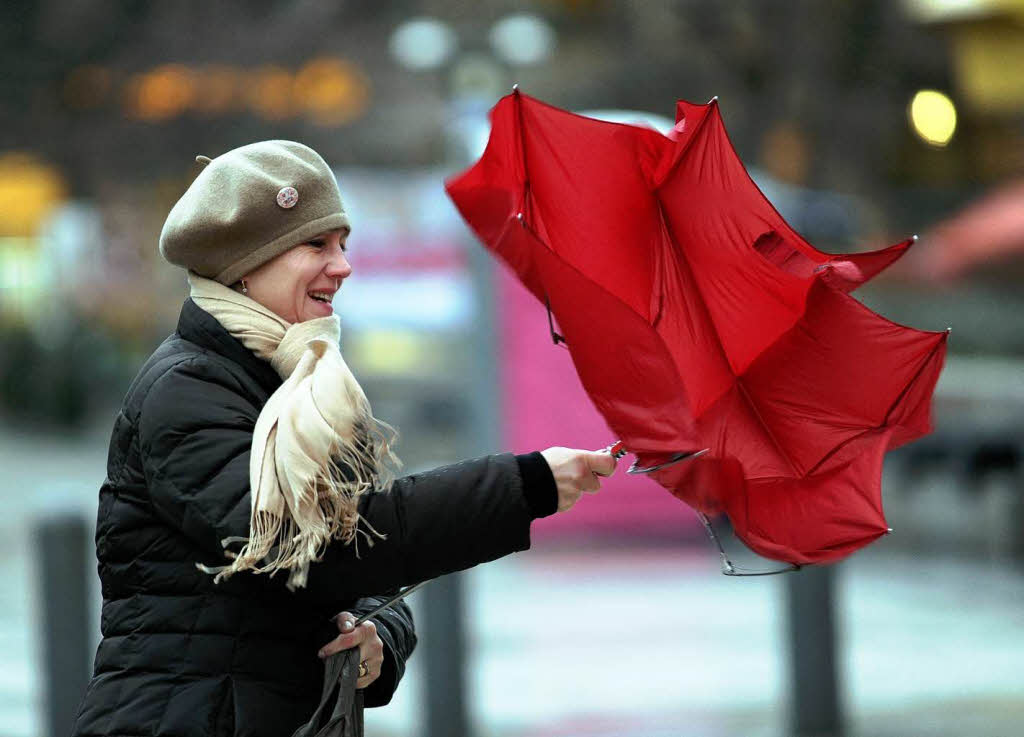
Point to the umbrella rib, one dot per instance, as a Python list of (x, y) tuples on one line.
[(526, 214), (526, 208), (813, 469), (892, 407), (885, 422), (917, 374), (696, 285), (678, 155), (760, 420), (718, 341)]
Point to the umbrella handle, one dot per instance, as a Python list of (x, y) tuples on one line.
[(617, 449), (671, 461)]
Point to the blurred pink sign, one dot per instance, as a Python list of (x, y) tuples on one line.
[(544, 405)]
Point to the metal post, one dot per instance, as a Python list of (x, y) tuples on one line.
[(443, 621), (444, 657), (443, 612), (60, 543), (815, 710)]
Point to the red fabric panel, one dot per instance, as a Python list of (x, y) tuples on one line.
[(852, 368), (818, 518)]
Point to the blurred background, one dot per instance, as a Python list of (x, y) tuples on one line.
[(863, 122)]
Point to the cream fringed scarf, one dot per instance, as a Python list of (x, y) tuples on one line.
[(316, 445)]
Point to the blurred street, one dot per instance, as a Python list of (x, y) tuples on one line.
[(615, 638)]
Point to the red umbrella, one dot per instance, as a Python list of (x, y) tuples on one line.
[(698, 319)]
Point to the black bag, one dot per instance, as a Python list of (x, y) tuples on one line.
[(341, 671)]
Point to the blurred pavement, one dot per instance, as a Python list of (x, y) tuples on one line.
[(632, 641), (620, 639)]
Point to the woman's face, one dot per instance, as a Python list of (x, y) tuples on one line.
[(285, 283)]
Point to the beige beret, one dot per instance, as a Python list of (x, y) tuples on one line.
[(249, 205)]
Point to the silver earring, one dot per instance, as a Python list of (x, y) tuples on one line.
[(245, 290)]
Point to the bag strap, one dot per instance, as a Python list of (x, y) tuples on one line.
[(345, 719)]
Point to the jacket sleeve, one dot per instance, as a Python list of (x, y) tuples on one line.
[(445, 520), (396, 630), (195, 432)]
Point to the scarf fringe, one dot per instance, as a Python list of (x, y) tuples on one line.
[(276, 542)]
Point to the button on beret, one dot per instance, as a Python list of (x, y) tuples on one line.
[(249, 205)]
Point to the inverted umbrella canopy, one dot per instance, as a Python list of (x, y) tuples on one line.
[(698, 319)]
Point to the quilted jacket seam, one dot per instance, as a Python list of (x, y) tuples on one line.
[(194, 508), (133, 428)]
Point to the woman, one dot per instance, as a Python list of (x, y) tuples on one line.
[(245, 449)]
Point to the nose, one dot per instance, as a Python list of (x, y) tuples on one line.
[(339, 267)]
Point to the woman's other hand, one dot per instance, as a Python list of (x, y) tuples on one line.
[(371, 648), (577, 471)]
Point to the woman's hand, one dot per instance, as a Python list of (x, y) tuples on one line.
[(371, 648), (576, 471)]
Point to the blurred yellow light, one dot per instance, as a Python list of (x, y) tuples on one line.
[(331, 91), (270, 93), (29, 189), (933, 117), (161, 93)]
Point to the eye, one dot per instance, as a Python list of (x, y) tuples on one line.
[(318, 242)]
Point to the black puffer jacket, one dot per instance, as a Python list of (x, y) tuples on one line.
[(182, 656)]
